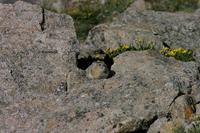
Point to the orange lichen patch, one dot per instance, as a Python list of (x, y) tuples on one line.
[(190, 107), (188, 112)]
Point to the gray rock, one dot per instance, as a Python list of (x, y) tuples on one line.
[(37, 52), (139, 5), (138, 95), (157, 125), (34, 55), (198, 10), (70, 5), (196, 54), (173, 29), (153, 60), (37, 58)]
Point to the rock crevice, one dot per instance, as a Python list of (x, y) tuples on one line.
[(42, 24)]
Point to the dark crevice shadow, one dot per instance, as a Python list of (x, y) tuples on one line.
[(42, 24), (177, 96), (83, 62)]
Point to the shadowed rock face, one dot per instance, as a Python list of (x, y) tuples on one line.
[(42, 89)]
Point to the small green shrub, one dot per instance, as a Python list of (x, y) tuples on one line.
[(87, 15), (178, 53), (179, 129), (125, 47), (194, 130), (121, 49), (143, 44)]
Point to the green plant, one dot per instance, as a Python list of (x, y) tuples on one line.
[(179, 129), (178, 53), (87, 15), (194, 130), (143, 44), (119, 50)]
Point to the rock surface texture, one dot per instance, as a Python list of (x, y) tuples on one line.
[(173, 29), (42, 89), (61, 5), (36, 52)]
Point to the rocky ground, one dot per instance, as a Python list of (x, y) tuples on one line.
[(49, 82)]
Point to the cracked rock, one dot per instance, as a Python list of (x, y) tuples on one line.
[(32, 65)]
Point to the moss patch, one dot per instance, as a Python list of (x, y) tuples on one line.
[(179, 129), (178, 53)]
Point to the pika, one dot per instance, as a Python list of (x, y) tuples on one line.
[(98, 70)]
